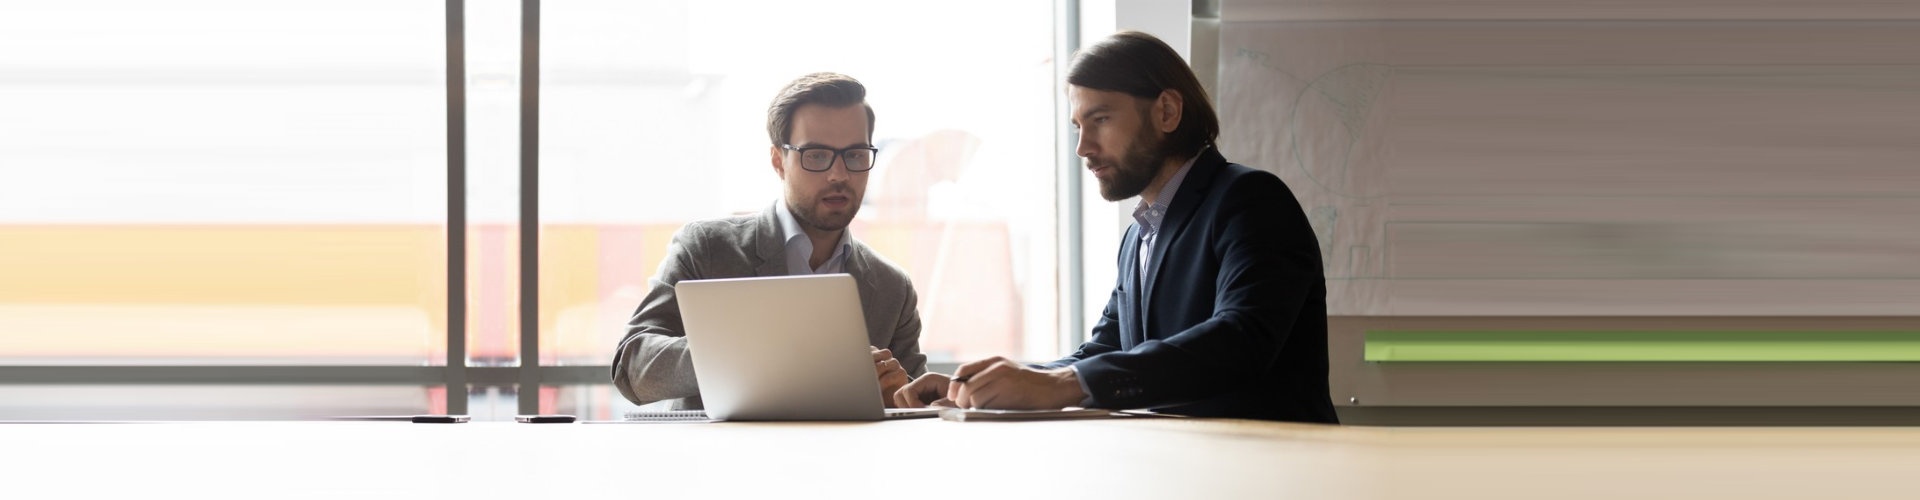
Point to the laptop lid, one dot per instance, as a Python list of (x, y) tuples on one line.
[(780, 348)]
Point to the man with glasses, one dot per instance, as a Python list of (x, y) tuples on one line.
[(1220, 309), (822, 131)]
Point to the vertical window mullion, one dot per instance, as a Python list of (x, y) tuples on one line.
[(529, 392), (456, 369)]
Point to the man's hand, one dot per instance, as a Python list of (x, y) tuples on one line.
[(892, 375), (1000, 384), (928, 390)]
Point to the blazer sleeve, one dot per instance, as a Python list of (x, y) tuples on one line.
[(653, 363), (1105, 339), (1269, 264)]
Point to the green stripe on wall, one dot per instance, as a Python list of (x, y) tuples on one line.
[(1642, 346)]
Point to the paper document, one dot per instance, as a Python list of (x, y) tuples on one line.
[(964, 414)]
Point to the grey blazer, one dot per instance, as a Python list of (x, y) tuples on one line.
[(653, 363)]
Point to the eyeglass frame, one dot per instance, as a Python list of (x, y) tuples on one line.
[(839, 156)]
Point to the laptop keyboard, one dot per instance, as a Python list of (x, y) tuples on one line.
[(667, 416)]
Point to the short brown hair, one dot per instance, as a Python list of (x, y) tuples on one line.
[(1139, 65), (832, 90)]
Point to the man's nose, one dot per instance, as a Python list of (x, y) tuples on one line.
[(837, 174)]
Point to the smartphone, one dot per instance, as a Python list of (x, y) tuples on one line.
[(439, 419), (544, 419)]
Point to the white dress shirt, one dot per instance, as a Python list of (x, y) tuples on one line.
[(800, 247)]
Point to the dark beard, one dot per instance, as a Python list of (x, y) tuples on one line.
[(809, 218), (1136, 168)]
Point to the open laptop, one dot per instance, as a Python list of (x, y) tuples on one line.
[(780, 348)]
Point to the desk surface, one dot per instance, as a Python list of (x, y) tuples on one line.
[(1140, 458)]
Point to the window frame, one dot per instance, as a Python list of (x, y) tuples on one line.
[(526, 379)]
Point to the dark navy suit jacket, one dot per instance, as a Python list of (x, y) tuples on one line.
[(1231, 320)]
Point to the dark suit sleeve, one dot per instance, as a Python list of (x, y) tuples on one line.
[(1106, 335), (1106, 331), (1268, 264)]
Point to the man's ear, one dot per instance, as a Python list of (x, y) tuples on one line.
[(1166, 111), (779, 161)]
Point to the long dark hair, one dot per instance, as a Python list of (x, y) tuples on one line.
[(1139, 65)]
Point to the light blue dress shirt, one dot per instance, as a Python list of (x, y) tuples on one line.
[(800, 247), (1149, 215)]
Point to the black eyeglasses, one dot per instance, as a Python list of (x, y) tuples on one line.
[(857, 158)]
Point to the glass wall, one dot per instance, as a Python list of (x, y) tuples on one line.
[(209, 185), (653, 114), (222, 182)]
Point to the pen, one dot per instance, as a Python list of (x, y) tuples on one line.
[(959, 380)]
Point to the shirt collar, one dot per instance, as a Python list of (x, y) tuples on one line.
[(796, 239), (1149, 215), (789, 225)]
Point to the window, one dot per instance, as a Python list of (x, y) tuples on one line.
[(261, 186), (256, 195), (653, 115)]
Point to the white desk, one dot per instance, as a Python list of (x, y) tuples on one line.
[(1146, 458)]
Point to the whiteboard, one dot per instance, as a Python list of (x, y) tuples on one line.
[(1591, 167)]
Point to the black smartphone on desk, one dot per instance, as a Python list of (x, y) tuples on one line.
[(544, 419)]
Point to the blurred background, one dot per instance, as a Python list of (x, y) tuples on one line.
[(213, 183), (230, 209)]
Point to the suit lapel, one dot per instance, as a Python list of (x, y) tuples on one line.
[(1185, 201), (856, 266), (768, 246), (1130, 283)]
